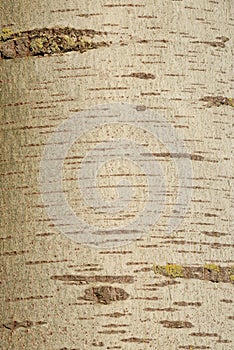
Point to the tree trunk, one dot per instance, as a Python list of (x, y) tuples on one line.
[(116, 175)]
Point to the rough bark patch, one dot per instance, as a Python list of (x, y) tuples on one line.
[(208, 272), (39, 42), (105, 294), (217, 101)]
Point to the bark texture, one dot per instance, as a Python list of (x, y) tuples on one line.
[(161, 291)]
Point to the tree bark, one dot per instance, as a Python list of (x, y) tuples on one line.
[(168, 60)]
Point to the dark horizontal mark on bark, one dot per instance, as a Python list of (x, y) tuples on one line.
[(25, 324), (69, 349), (90, 279), (113, 314), (143, 269), (136, 340), (224, 341), (47, 41), (105, 294), (228, 301), (117, 232), (176, 324), (115, 325), (139, 75), (162, 284), (39, 297), (86, 15), (215, 245), (137, 263), (221, 40), (123, 5), (192, 347), (167, 309), (123, 252), (37, 262), (147, 298), (112, 331), (184, 303), (208, 272), (217, 101), (14, 253), (100, 343), (203, 334), (214, 233), (176, 155)]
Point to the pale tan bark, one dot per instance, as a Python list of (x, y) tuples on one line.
[(174, 57)]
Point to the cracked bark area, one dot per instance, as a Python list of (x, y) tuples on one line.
[(47, 41), (208, 272)]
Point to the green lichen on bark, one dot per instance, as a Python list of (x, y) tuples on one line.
[(47, 41), (208, 272), (170, 270)]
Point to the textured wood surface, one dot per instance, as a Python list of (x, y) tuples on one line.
[(163, 290)]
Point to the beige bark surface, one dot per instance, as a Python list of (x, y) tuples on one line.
[(161, 291)]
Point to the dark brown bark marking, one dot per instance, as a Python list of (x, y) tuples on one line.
[(136, 340), (40, 297), (203, 334), (140, 75), (98, 278), (114, 314), (24, 324), (113, 331), (117, 252), (184, 303), (167, 309), (14, 253), (176, 324), (192, 347), (220, 42), (38, 262), (217, 101), (105, 294), (100, 343)]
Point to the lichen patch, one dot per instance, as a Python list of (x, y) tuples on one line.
[(47, 41), (208, 272)]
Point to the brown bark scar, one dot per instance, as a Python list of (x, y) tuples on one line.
[(105, 294), (217, 101), (140, 75), (47, 41)]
